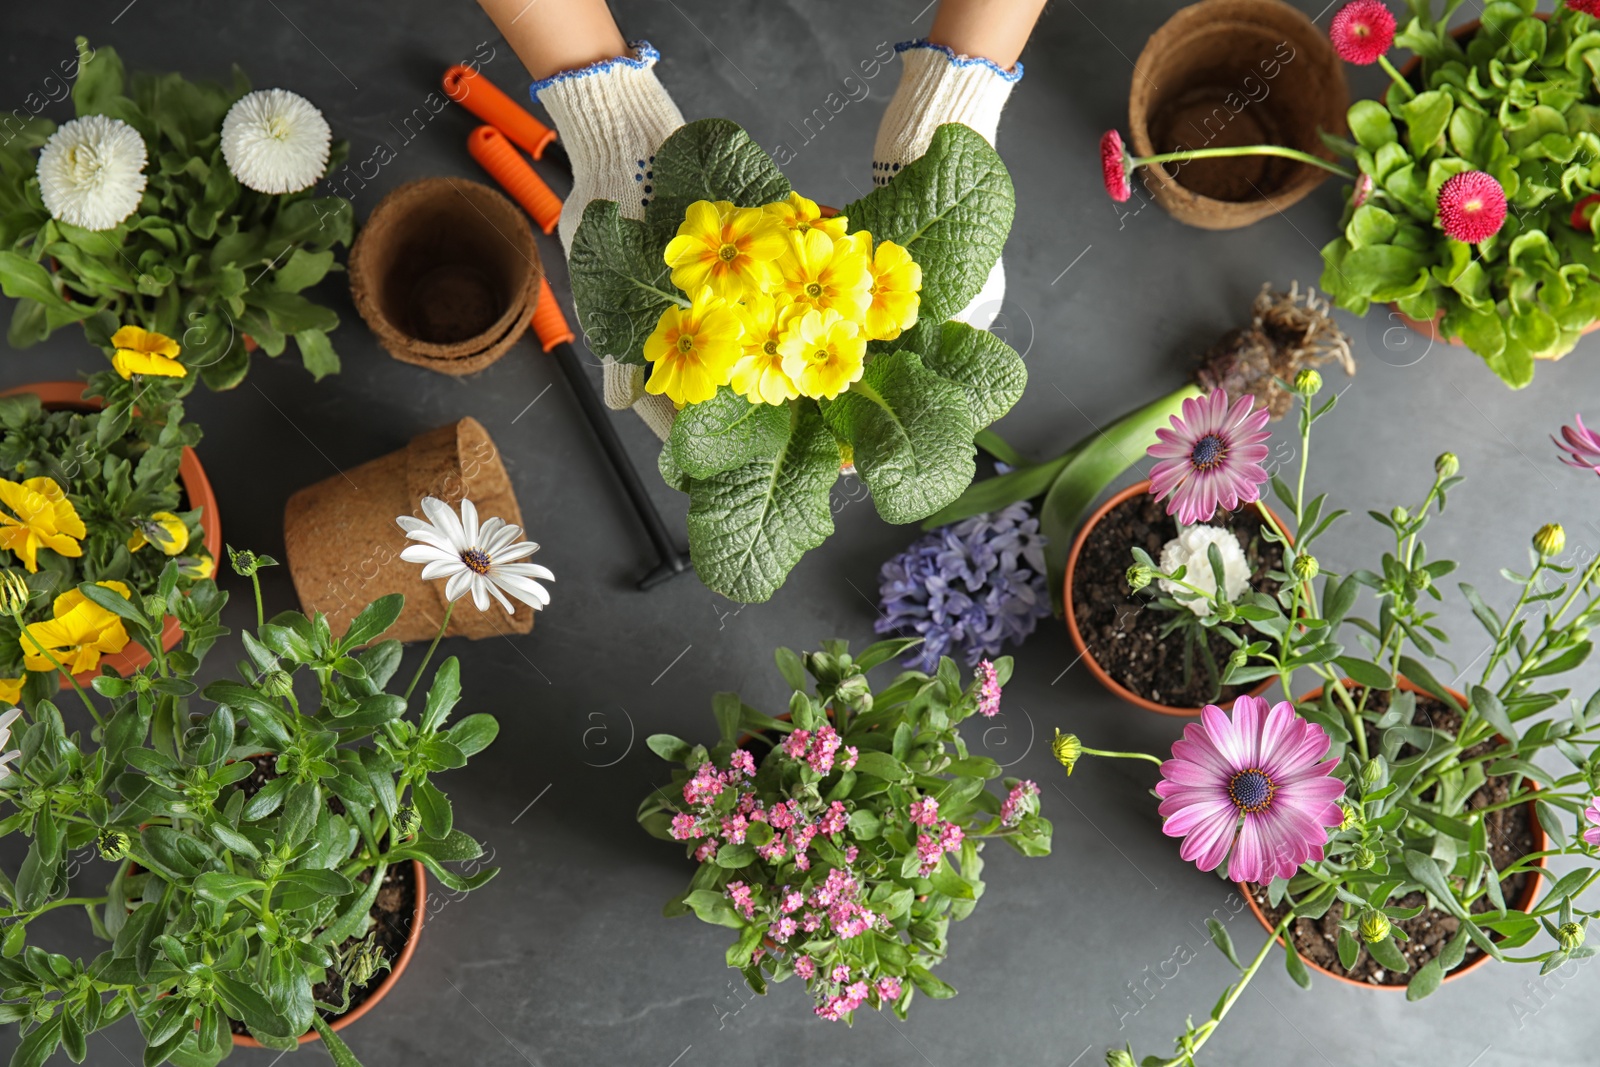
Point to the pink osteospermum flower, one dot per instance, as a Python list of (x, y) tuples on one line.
[(1592, 814), (1582, 444), (1362, 31), (1255, 788), (1472, 206), (1114, 166), (1210, 458), (988, 690)]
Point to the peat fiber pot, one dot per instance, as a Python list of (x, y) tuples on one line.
[(344, 546), (1524, 899), (1224, 73), (446, 273), (387, 981), (68, 396), (1076, 629)]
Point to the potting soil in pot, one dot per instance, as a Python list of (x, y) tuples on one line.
[(392, 912), (1510, 836), (1122, 629)]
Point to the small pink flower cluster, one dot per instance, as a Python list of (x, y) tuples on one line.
[(945, 837), (1019, 802), (818, 748), (988, 690), (851, 995)]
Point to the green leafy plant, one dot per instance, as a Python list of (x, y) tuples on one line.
[(1518, 100), (203, 259), (758, 474), (840, 841), (251, 825)]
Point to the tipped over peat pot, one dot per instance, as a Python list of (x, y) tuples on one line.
[(197, 492), (344, 546), (1519, 833), (446, 273), (1224, 73), (1129, 657)]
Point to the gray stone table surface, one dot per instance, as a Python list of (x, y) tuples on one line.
[(565, 960)]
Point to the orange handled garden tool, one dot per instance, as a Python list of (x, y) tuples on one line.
[(495, 154), (484, 99), (557, 337)]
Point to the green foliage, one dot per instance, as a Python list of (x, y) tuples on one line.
[(250, 826), (758, 478), (898, 747), (1517, 100), (203, 260)]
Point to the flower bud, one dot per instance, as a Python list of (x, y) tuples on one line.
[(1371, 775), (1119, 1058), (1362, 858), (1419, 580), (1225, 610), (1308, 382), (1550, 539), (1139, 576), (113, 845), (1238, 658), (1399, 514), (243, 560), (1446, 465), (277, 683), (1306, 567), (13, 593), (1374, 926), (406, 821), (1570, 935), (1066, 748), (1352, 815)]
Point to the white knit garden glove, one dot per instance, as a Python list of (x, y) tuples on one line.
[(937, 86), (612, 116)]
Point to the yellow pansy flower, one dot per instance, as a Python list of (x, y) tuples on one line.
[(825, 274), (163, 529), (797, 214), (40, 516), (759, 375), (140, 351), (11, 690), (729, 248), (81, 632), (896, 278), (693, 349), (823, 353), (197, 567)]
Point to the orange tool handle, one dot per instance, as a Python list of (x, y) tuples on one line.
[(484, 99), (548, 322), (495, 154)]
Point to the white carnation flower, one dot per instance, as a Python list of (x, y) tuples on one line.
[(1191, 550), (275, 141), (91, 172)]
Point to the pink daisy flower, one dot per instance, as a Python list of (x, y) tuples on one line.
[(1210, 458), (1588, 7), (1362, 191), (1114, 166), (1592, 814), (1252, 787), (1362, 31), (1472, 206), (1582, 445), (988, 690)]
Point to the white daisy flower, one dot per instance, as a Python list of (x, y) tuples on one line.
[(91, 172), (275, 141), (481, 559), (5, 735)]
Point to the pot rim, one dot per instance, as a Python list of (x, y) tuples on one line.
[(1099, 672), (381, 990), (1530, 893), (196, 485)]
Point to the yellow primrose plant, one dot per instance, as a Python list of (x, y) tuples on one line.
[(796, 342), (91, 512)]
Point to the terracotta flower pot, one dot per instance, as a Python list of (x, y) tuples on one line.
[(1082, 646), (68, 396), (1529, 894), (446, 273), (344, 546), (390, 977), (1224, 73)]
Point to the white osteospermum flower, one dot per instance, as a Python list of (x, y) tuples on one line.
[(275, 141), (91, 172), (5, 735), (481, 559), (1191, 550)]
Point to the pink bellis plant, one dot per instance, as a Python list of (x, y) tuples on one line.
[(841, 840), (1378, 805)]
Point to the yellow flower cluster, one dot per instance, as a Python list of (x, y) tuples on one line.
[(38, 515), (782, 303), (145, 352), (79, 634)]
